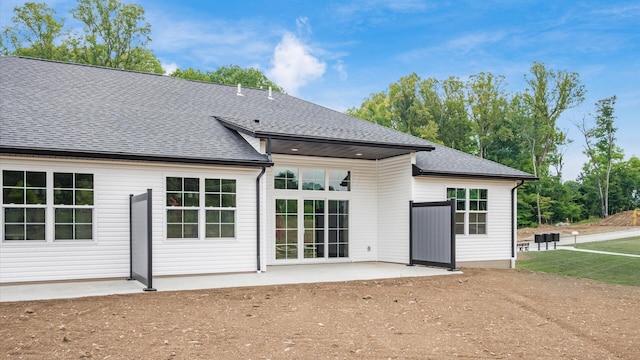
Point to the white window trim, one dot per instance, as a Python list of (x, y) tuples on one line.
[(300, 179), (467, 211), (49, 209), (201, 208)]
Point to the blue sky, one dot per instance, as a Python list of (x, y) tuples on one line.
[(336, 53)]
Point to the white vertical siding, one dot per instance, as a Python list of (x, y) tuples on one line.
[(362, 202), (108, 254), (394, 194), (496, 244)]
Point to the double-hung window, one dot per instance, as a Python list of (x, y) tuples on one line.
[(73, 206), (24, 200), (471, 210), (478, 211), (183, 203), (220, 204), (28, 196), (194, 201)]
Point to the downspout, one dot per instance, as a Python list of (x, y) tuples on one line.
[(514, 224), (258, 214)]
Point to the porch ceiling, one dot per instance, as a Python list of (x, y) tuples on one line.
[(335, 150)]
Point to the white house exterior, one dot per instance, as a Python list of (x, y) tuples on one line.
[(240, 182), (491, 248)]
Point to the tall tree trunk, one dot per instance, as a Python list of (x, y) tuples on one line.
[(535, 173)]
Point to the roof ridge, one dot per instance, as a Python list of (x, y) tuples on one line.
[(61, 62), (81, 64)]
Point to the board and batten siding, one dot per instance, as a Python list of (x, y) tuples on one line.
[(394, 194), (362, 204), (107, 256), (496, 244)]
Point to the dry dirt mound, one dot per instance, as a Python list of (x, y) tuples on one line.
[(619, 221), (624, 218)]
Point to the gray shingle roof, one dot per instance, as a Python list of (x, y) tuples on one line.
[(84, 109), (447, 161), (77, 109), (61, 108)]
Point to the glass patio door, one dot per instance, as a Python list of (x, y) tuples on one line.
[(318, 229)]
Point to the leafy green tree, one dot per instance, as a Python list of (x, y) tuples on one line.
[(566, 200), (376, 108), (407, 110), (487, 103), (624, 192), (527, 205), (601, 149), (114, 35), (444, 104), (34, 32), (454, 126), (402, 108), (570, 202), (509, 144), (550, 93), (230, 75)]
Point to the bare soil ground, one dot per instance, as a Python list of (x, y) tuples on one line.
[(620, 221), (494, 314)]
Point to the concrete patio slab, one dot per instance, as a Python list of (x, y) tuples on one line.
[(276, 275)]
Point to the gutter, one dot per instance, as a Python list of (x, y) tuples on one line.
[(419, 172), (514, 224), (258, 214), (89, 155)]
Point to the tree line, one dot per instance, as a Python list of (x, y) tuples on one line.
[(477, 116), (113, 34), (520, 130)]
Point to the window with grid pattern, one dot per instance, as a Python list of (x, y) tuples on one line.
[(286, 229), (183, 202), (24, 199), (471, 210), (73, 206), (460, 196), (220, 204)]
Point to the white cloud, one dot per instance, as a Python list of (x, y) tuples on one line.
[(470, 42), (304, 27), (212, 42), (169, 68), (630, 10), (293, 65), (341, 69)]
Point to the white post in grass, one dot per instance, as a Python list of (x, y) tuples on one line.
[(575, 236)]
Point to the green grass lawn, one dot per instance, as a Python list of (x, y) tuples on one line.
[(606, 268), (623, 246)]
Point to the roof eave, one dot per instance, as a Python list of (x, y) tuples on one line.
[(417, 171), (131, 157)]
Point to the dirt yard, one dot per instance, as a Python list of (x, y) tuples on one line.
[(493, 314), (617, 222)]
